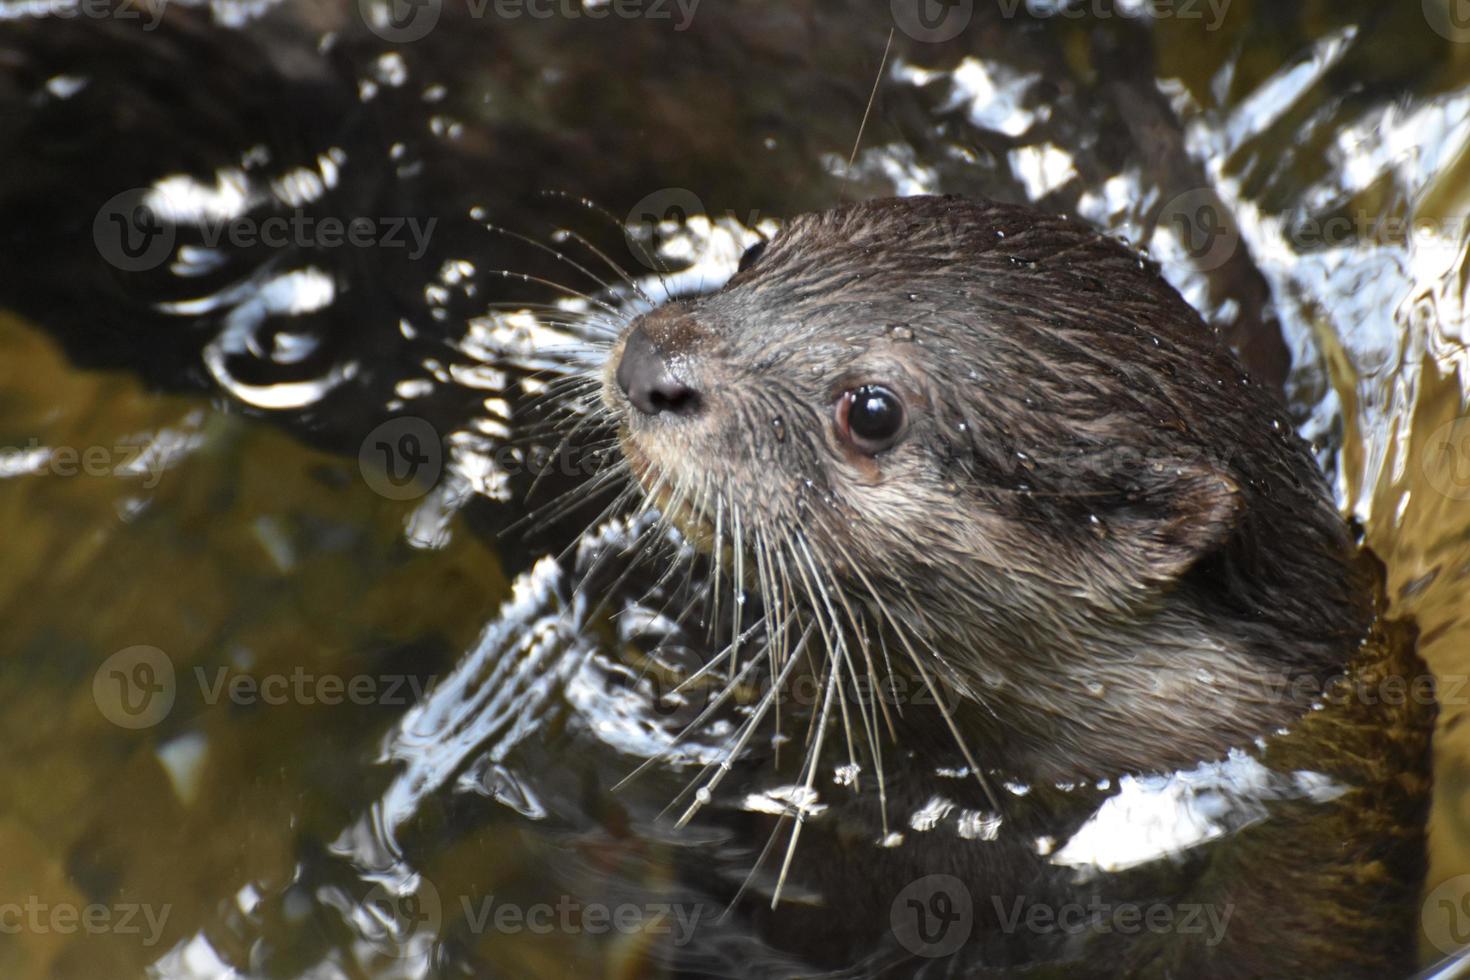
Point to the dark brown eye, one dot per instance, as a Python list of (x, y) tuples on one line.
[(752, 256), (870, 417)]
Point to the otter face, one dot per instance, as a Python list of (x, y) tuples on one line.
[(988, 426)]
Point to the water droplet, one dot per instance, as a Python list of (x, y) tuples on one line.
[(900, 331), (779, 425), (1096, 689)]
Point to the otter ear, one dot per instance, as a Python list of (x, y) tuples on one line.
[(1178, 514)]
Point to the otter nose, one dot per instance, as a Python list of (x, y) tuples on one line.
[(645, 377)]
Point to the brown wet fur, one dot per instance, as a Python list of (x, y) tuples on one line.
[(1102, 539)]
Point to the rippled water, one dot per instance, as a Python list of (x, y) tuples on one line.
[(290, 682)]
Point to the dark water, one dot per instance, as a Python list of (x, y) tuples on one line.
[(290, 687)]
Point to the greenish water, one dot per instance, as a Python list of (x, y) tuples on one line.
[(215, 616)]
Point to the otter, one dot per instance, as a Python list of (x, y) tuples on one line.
[(994, 453)]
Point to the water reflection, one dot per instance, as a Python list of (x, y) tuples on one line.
[(305, 841)]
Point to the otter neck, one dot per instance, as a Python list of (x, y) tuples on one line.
[(1102, 699)]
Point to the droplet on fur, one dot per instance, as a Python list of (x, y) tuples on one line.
[(901, 331), (779, 425)]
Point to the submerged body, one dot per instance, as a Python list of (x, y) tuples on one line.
[(987, 456)]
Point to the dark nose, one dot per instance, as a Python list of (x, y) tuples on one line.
[(644, 376)]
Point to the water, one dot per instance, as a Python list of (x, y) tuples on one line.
[(234, 570)]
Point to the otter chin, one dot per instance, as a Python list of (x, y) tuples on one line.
[(993, 450)]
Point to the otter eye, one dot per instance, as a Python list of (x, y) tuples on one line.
[(752, 256), (870, 417)]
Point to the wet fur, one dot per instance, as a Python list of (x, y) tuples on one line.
[(1098, 532)]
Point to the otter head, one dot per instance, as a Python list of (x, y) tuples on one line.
[(1003, 443)]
